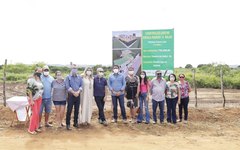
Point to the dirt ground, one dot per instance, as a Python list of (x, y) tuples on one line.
[(210, 127)]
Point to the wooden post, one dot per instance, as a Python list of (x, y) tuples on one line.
[(4, 83), (195, 88), (222, 87)]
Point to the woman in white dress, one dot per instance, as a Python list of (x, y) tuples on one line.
[(85, 112)]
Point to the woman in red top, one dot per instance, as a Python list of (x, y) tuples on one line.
[(143, 98)]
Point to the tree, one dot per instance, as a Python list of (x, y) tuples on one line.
[(189, 66)]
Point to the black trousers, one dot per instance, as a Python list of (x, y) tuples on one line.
[(100, 104), (72, 101), (183, 105)]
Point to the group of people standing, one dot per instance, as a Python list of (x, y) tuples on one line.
[(79, 91)]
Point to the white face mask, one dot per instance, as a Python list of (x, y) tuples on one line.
[(89, 73), (130, 72), (46, 73), (59, 77), (100, 74), (115, 70), (142, 76), (172, 78)]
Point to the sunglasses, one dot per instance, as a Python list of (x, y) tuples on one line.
[(181, 77), (100, 71)]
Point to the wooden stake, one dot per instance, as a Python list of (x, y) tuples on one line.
[(195, 88), (222, 87), (4, 83)]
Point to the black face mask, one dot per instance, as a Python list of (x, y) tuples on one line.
[(38, 74)]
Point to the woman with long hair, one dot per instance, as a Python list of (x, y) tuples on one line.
[(86, 97), (143, 98)]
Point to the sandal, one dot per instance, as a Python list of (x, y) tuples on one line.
[(48, 125), (38, 130), (32, 132)]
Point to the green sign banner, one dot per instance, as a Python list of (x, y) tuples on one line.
[(158, 51), (147, 50)]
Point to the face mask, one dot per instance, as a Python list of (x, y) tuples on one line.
[(74, 72), (159, 75), (89, 73), (115, 70), (172, 78), (38, 74), (142, 76), (100, 74), (130, 72), (46, 73), (59, 77)]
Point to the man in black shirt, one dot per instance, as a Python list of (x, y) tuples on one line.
[(132, 90)]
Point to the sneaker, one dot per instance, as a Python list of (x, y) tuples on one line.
[(105, 123), (100, 121), (48, 125), (114, 121), (154, 122), (125, 121), (75, 125), (185, 121), (179, 120), (139, 121), (68, 127)]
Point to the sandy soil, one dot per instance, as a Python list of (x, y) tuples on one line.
[(209, 128)]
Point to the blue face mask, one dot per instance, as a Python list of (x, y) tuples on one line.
[(74, 72)]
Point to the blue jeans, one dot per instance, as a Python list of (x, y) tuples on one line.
[(171, 109), (142, 100), (47, 104), (72, 101), (115, 105), (154, 108), (100, 104)]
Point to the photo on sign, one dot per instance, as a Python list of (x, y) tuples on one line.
[(127, 58), (127, 50), (126, 40)]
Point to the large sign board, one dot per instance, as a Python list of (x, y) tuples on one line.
[(147, 50)]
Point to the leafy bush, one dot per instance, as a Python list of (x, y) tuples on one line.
[(207, 75)]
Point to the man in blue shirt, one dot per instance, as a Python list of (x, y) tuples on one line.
[(99, 87), (74, 87), (117, 83), (46, 97)]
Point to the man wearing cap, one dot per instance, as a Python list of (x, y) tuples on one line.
[(74, 86), (46, 97), (99, 87), (157, 90)]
